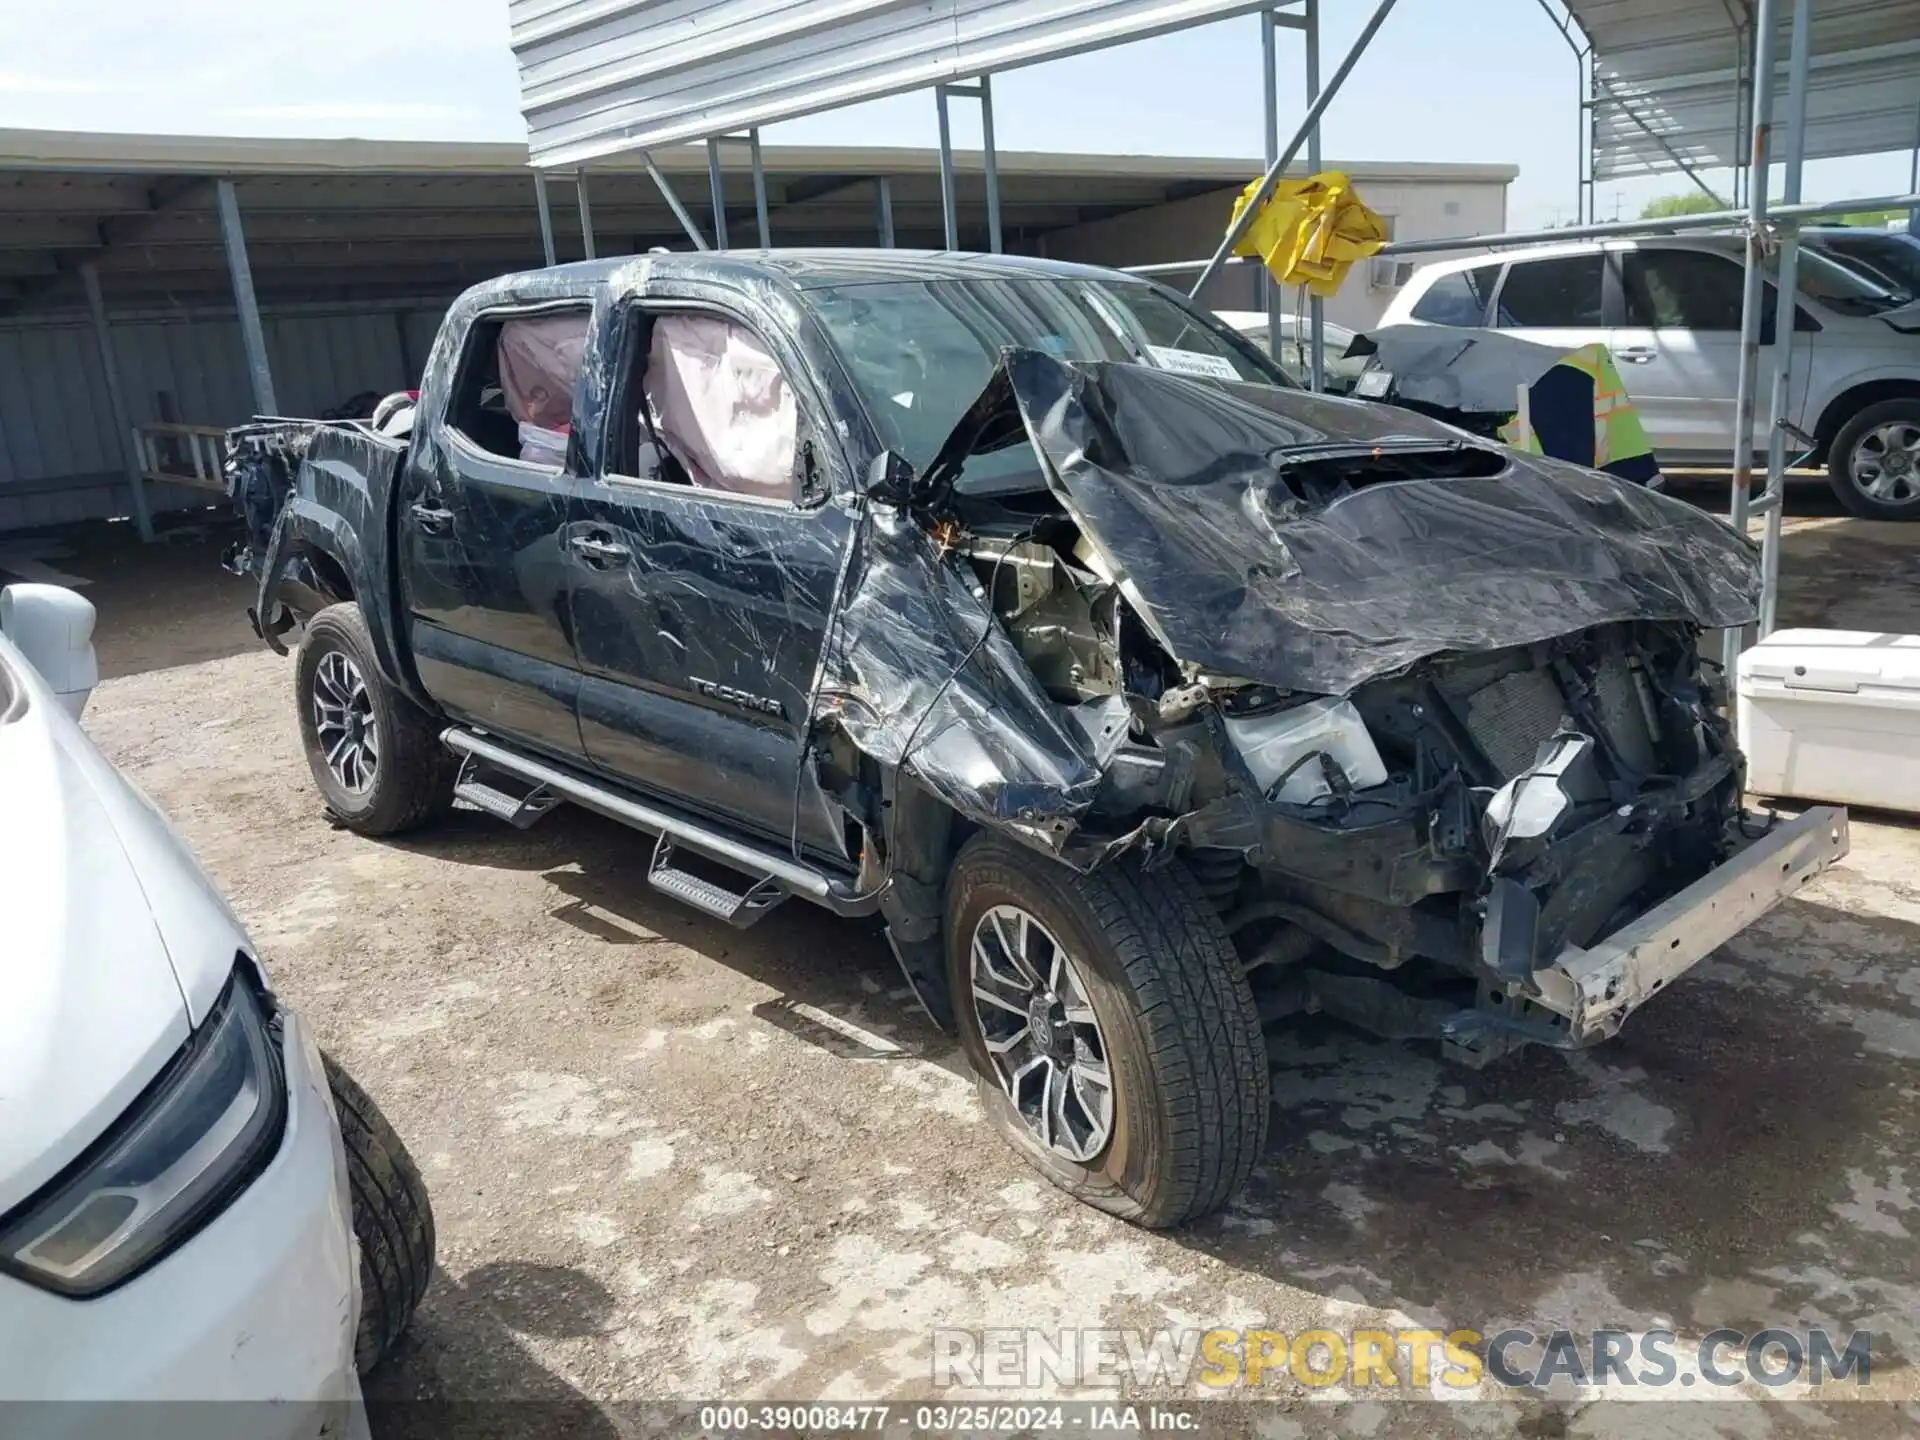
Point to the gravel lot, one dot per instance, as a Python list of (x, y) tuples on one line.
[(659, 1172)]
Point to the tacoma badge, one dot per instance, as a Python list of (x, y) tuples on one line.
[(740, 699)]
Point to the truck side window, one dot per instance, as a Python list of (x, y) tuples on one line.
[(514, 394), (710, 407)]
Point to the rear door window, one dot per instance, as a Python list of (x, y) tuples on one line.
[(513, 397), (1458, 298), (1559, 294), (1681, 290)]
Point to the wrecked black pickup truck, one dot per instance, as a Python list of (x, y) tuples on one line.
[(1143, 696)]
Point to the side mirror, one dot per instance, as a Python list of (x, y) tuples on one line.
[(53, 627), (890, 478)]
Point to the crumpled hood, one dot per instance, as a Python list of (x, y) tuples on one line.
[(1200, 496), (98, 897)]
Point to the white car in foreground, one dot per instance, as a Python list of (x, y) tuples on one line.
[(182, 1174)]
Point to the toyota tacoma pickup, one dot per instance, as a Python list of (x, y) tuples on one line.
[(1143, 697)]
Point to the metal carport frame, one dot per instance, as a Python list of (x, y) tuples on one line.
[(587, 96)]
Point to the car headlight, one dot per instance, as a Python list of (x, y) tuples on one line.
[(195, 1137)]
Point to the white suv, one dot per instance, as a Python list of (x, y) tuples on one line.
[(1668, 307), (195, 1204)]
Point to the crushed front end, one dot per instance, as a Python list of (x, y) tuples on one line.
[(1427, 719)]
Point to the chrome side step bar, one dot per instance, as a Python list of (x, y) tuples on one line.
[(793, 876), (738, 908), (519, 811)]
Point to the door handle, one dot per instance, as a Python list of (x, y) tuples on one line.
[(1636, 354), (434, 519), (596, 551)]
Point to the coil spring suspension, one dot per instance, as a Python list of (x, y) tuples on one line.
[(1218, 872)]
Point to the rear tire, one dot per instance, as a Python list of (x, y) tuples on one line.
[(392, 1220), (375, 755), (1873, 464), (1169, 1007)]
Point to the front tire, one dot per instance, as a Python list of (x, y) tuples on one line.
[(1874, 462), (392, 1221), (1116, 1041), (375, 755)]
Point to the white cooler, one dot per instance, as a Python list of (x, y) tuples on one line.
[(1833, 715)]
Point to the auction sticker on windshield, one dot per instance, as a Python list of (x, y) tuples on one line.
[(1192, 362)]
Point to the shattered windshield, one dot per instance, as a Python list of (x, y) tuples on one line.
[(920, 351)]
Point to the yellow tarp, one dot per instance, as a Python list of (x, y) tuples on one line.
[(1311, 230)]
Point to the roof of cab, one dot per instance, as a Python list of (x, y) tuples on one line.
[(811, 269)]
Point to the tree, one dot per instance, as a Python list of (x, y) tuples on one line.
[(1694, 202)]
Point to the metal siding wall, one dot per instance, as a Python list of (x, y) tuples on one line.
[(601, 76), (59, 460)]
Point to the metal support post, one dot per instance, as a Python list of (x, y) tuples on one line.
[(759, 189), (1237, 231), (1755, 291), (1583, 112), (546, 216), (1784, 313), (403, 345), (1913, 176), (1742, 105), (117, 401), (717, 193), (1316, 307), (673, 202), (253, 338), (1586, 203), (991, 163), (1274, 300), (883, 201), (949, 208), (586, 212)]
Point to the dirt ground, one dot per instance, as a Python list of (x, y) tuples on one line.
[(669, 1159)]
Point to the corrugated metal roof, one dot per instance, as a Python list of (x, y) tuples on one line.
[(602, 76), (83, 150), (325, 220), (1676, 65)]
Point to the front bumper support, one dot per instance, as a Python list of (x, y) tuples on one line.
[(1594, 990)]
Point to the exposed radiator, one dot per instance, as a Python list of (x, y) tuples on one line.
[(1510, 718)]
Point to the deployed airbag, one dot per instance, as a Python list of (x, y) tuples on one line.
[(722, 406), (539, 359)]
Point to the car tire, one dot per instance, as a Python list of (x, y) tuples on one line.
[(375, 755), (392, 1221), (1859, 458), (1165, 1010)]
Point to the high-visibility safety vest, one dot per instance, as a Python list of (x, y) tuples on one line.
[(1585, 382)]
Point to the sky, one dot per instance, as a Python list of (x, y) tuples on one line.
[(1446, 80)]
